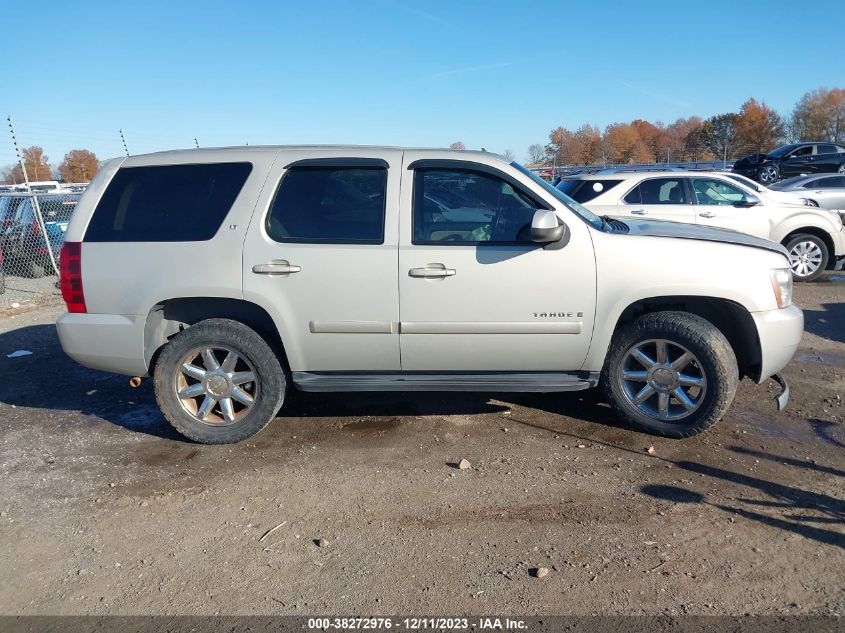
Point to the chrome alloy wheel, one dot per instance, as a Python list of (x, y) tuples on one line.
[(215, 392), (768, 175), (805, 258), (662, 379)]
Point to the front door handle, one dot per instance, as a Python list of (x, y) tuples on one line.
[(707, 214), (276, 267), (432, 271), (639, 212)]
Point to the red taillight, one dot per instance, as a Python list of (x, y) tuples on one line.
[(70, 276)]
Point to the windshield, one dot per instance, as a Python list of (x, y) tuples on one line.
[(780, 151), (747, 182), (583, 212)]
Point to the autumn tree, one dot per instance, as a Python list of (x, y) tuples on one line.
[(580, 147), (682, 137), (758, 128), (623, 144), (457, 145), (654, 137), (37, 167), (536, 154), (820, 116), (587, 146), (79, 165)]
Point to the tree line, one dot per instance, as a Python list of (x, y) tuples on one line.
[(79, 165), (818, 116)]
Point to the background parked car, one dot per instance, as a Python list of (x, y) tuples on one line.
[(779, 196), (815, 238), (825, 191), (25, 248), (811, 157)]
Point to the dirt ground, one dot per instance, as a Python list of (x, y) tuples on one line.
[(103, 509)]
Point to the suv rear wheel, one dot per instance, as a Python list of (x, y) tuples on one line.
[(670, 373), (219, 382)]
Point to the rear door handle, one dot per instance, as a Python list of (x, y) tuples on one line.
[(707, 214), (639, 212), (276, 267), (432, 271)]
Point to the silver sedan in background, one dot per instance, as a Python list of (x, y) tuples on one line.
[(826, 191)]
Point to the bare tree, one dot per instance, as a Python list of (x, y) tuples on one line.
[(536, 154), (457, 145), (508, 155)]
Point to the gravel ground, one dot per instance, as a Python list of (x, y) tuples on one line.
[(30, 292), (352, 503)]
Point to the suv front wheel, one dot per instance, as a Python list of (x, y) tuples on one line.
[(670, 373), (219, 382)]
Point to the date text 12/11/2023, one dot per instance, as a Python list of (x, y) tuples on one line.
[(417, 623)]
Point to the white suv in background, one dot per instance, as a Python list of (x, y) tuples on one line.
[(814, 238), (234, 275)]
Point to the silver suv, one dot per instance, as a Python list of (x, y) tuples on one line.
[(234, 275)]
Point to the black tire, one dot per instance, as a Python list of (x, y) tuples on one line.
[(269, 390), (841, 169), (798, 239), (714, 360)]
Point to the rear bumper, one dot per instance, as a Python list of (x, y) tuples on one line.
[(780, 334), (108, 342)]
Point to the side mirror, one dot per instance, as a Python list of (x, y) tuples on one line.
[(748, 201), (546, 227)]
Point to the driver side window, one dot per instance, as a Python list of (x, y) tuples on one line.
[(715, 191), (465, 207), (802, 151)]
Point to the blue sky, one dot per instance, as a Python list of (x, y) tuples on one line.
[(494, 74)]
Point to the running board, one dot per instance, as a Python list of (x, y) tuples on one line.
[(525, 382)]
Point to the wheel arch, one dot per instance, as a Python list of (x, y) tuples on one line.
[(729, 317), (170, 316), (819, 232)]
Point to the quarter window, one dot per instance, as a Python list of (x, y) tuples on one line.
[(585, 190), (168, 203), (826, 149), (710, 191), (658, 191), (456, 206), (329, 205), (832, 182)]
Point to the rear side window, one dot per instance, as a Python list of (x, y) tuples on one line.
[(826, 149), (329, 205), (658, 191), (585, 190), (831, 182), (168, 203)]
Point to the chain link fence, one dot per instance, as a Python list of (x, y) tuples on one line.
[(31, 236)]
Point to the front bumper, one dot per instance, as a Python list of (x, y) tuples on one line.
[(109, 342), (780, 333)]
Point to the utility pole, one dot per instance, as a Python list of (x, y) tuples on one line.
[(123, 138)]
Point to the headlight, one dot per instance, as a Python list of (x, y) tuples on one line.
[(782, 286)]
